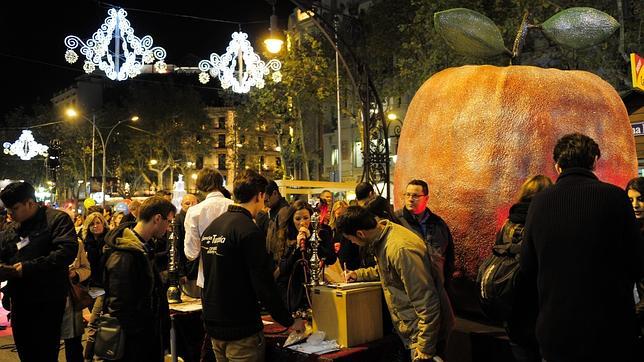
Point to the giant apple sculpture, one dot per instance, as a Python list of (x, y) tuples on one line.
[(475, 133)]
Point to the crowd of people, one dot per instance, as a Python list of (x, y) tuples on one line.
[(580, 295)]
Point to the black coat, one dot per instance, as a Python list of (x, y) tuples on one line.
[(583, 253), (94, 248), (45, 260), (520, 326), (134, 292)]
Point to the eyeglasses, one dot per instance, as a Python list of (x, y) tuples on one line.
[(413, 196)]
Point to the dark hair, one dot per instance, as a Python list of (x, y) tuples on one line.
[(271, 187), (95, 208), (576, 150), (163, 193), (532, 186), (247, 185), (291, 231), (381, 208), (17, 192), (209, 180), (420, 183), (636, 184), (363, 190), (287, 231), (354, 219), (155, 205)]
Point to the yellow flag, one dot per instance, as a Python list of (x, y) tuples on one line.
[(637, 71)]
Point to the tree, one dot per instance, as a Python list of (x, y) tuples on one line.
[(306, 86), (423, 51), (174, 129)]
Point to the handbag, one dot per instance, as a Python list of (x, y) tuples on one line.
[(80, 296), (109, 341)]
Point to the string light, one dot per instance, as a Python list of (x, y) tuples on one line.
[(240, 68), (25, 147), (130, 52)]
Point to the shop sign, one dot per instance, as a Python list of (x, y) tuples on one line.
[(638, 128)]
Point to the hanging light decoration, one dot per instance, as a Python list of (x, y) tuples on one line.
[(25, 147), (240, 67), (128, 55)]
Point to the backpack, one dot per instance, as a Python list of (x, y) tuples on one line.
[(499, 273)]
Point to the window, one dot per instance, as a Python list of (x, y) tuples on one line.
[(278, 161), (242, 161), (221, 141), (221, 162), (221, 122), (260, 143)]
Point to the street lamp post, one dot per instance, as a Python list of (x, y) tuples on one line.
[(104, 141), (375, 137)]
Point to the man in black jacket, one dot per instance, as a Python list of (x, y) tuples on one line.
[(417, 217), (35, 258), (237, 272), (582, 253), (134, 292)]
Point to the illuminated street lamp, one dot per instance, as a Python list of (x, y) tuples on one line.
[(274, 42), (72, 113)]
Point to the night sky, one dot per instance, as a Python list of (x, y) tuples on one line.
[(32, 49)]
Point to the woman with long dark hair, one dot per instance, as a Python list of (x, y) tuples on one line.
[(635, 190), (521, 324), (292, 251)]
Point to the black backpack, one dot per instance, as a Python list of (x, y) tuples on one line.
[(498, 274)]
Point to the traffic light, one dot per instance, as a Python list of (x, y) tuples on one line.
[(54, 153)]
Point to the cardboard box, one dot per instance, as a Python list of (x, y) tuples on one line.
[(351, 316)]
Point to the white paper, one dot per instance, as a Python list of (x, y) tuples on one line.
[(354, 285), (95, 292), (186, 306), (23, 242), (317, 348)]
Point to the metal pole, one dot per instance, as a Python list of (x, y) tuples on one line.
[(93, 141), (105, 143), (337, 93)]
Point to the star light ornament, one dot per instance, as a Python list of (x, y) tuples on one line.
[(25, 147), (128, 55), (240, 68)]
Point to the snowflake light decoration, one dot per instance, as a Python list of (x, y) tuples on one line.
[(25, 147), (240, 67), (128, 55)]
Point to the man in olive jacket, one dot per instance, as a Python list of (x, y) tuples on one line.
[(35, 258), (419, 307)]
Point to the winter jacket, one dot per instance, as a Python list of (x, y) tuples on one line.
[(436, 234), (520, 325), (419, 307), (582, 251), (128, 280), (237, 274), (45, 259)]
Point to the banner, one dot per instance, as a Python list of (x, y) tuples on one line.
[(637, 71)]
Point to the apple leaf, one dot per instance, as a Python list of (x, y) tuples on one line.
[(579, 27), (469, 32)]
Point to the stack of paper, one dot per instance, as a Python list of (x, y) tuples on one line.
[(317, 348)]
